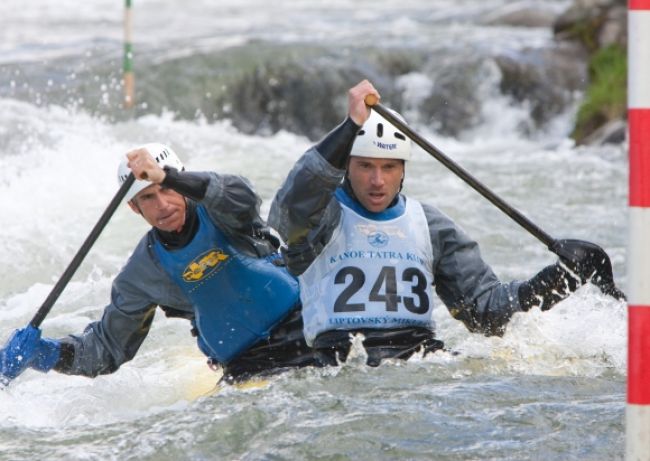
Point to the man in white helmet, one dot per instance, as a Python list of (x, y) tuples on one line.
[(208, 258), (367, 255)]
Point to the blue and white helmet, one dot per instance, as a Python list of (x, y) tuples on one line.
[(378, 138), (163, 154)]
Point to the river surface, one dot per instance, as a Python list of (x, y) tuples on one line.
[(553, 388)]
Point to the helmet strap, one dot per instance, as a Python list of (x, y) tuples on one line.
[(401, 183)]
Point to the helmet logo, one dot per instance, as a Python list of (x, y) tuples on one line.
[(204, 265), (386, 146)]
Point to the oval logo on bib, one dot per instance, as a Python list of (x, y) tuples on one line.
[(378, 239), (203, 265)]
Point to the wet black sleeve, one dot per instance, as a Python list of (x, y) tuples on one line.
[(547, 288), (66, 359), (190, 184), (336, 145)]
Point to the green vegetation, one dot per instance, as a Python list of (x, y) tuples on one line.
[(606, 96)]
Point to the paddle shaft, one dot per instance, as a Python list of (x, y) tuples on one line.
[(81, 254), (522, 220)]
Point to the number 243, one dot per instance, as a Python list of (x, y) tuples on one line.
[(387, 278)]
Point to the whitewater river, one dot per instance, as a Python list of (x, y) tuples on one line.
[(553, 388)]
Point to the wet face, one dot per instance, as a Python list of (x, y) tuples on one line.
[(375, 181), (161, 207)]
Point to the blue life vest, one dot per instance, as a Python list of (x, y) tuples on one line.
[(237, 298)]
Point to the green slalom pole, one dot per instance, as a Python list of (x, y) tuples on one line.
[(129, 77)]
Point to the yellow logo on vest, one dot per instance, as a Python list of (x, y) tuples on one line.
[(203, 265)]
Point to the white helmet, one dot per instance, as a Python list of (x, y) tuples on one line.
[(378, 138), (164, 155)]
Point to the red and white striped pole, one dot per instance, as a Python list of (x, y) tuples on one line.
[(638, 381)]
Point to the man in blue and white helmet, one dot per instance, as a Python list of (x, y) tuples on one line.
[(367, 256), (209, 258)]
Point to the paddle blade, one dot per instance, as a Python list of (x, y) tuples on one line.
[(590, 262)]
